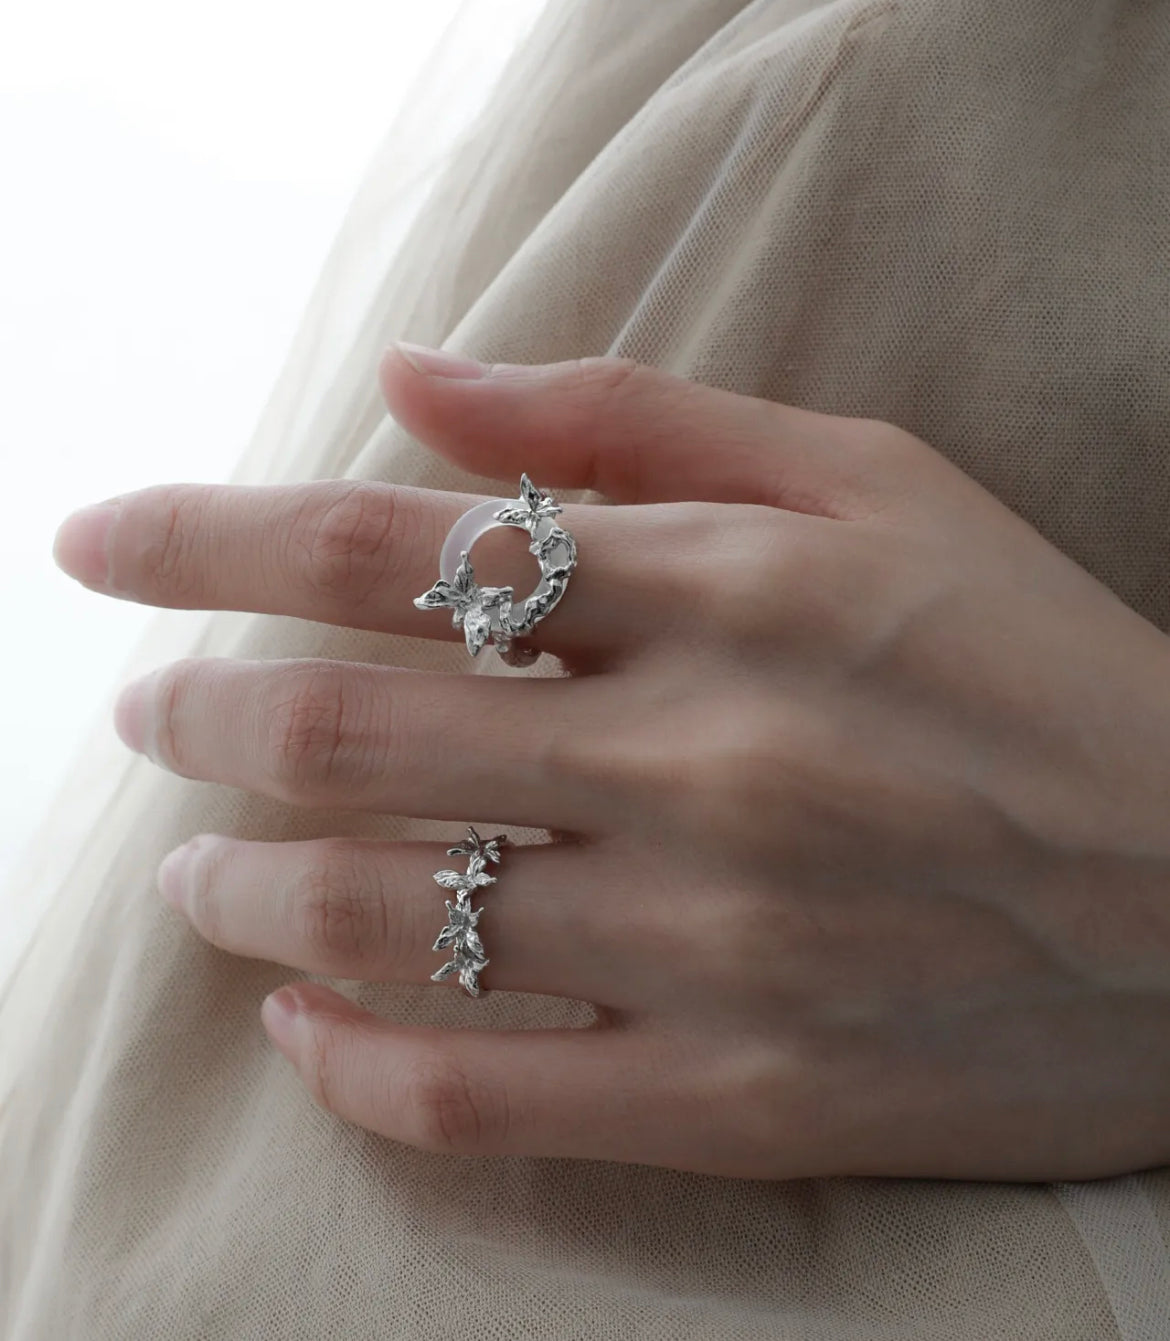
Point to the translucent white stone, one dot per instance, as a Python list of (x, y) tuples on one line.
[(467, 530)]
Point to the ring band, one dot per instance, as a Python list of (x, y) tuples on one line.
[(459, 935), (490, 612)]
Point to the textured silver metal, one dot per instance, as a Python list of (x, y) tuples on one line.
[(460, 935), (491, 612)]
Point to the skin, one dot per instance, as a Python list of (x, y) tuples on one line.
[(859, 788)]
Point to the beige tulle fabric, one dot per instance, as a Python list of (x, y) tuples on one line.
[(949, 214)]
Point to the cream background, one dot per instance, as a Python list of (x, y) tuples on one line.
[(949, 215), (175, 176)]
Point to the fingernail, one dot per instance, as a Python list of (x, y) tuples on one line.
[(439, 362), (132, 712), (82, 543), (172, 876), (279, 1013)]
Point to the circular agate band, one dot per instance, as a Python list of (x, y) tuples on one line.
[(491, 612)]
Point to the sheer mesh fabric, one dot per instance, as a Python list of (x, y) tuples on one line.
[(946, 214)]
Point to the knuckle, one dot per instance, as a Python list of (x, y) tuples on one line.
[(894, 464), (599, 385), (676, 534), (307, 725), (776, 585), (700, 767), (334, 910), (750, 586), (881, 443), (737, 770), (169, 560), (770, 931), (792, 763), (347, 549), (320, 1064), (607, 375), (738, 767), (446, 1112), (787, 1100)]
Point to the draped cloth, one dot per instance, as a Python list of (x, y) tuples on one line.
[(951, 215)]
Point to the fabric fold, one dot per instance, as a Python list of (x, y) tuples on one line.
[(950, 216)]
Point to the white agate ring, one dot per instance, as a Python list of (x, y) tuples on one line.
[(491, 612)]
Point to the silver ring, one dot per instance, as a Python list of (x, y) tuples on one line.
[(459, 936), (491, 612)]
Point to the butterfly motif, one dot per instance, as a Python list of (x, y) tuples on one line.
[(468, 971), (474, 846), (468, 957), (471, 605), (537, 507), (461, 920), (464, 884)]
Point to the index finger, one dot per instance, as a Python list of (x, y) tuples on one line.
[(354, 553)]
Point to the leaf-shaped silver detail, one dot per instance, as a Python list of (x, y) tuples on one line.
[(536, 507), (513, 516), (457, 595), (465, 577), (446, 937), (477, 624), (499, 599), (440, 595), (459, 935), (530, 493), (542, 505)]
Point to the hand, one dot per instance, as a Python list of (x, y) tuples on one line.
[(870, 862)]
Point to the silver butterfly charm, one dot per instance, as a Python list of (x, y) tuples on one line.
[(471, 605), (460, 935)]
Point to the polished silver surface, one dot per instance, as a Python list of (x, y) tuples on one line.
[(491, 612), (460, 936)]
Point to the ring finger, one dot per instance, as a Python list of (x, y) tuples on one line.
[(371, 910)]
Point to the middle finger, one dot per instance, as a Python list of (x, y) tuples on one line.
[(361, 737)]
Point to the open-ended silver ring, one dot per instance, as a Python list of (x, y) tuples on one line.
[(490, 612), (459, 938)]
